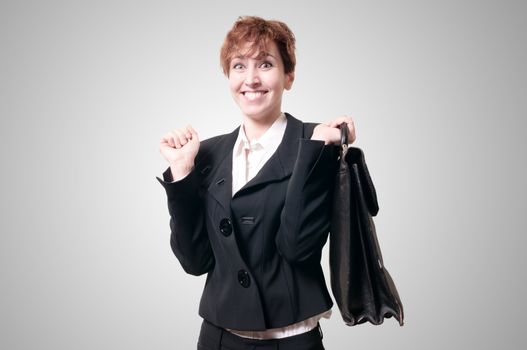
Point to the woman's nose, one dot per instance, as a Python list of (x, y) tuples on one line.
[(252, 78)]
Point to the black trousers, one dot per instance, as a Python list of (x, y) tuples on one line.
[(212, 337)]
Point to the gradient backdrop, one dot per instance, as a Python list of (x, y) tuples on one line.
[(438, 91)]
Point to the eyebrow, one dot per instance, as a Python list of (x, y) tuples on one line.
[(260, 56)]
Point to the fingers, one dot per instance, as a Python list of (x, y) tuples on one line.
[(342, 119), (177, 138), (180, 137), (192, 132), (351, 126), (351, 132), (167, 140)]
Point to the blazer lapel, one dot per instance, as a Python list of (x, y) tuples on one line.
[(220, 186)]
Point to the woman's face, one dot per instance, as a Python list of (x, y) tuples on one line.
[(257, 84)]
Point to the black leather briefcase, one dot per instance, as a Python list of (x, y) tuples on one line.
[(361, 285)]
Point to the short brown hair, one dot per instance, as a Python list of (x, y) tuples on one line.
[(259, 32)]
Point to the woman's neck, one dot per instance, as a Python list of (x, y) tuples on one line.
[(254, 129)]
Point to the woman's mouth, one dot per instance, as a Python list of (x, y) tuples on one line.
[(253, 95)]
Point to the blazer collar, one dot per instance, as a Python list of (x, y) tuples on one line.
[(278, 167)]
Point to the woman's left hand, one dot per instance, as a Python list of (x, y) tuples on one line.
[(330, 132)]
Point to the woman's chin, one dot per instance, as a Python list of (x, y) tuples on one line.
[(260, 116)]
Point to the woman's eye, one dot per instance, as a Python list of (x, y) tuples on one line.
[(237, 66), (266, 65)]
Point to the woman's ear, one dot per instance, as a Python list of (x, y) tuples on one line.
[(289, 78)]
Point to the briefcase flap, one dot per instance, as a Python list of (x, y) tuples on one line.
[(356, 156)]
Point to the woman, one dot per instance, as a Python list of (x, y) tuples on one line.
[(251, 208)]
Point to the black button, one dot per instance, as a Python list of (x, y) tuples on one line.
[(244, 279), (225, 227)]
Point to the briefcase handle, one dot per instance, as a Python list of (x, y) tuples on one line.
[(344, 138)]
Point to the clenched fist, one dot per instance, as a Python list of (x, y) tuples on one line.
[(179, 147), (330, 132)]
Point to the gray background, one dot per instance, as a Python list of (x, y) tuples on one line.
[(87, 88)]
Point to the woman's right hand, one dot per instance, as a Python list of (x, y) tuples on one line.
[(179, 147)]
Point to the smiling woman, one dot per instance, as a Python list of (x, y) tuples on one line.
[(257, 83), (251, 208)]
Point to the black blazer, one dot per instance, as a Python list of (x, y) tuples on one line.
[(261, 248)]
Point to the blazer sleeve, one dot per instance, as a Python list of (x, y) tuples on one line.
[(305, 218), (189, 239)]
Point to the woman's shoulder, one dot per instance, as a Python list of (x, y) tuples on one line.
[(307, 127)]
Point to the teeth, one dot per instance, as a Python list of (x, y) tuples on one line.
[(251, 95)]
